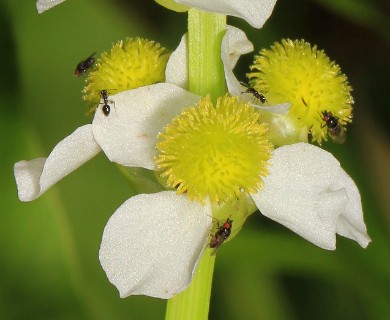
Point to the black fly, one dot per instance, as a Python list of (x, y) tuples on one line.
[(254, 92), (84, 65), (221, 235), (335, 130)]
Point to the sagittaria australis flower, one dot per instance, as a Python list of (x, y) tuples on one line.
[(305, 189), (207, 156)]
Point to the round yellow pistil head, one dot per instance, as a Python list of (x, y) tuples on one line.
[(217, 152), (296, 72), (129, 64)]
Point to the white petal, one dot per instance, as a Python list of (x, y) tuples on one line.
[(281, 108), (234, 44), (176, 71), (255, 12), (153, 242), (43, 5), (302, 193), (128, 134), (351, 223), (34, 177)]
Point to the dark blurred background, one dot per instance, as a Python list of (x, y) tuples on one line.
[(49, 266)]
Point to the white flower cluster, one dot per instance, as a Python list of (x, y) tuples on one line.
[(306, 189)]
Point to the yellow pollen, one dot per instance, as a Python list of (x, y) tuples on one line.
[(296, 72), (216, 152), (129, 64)]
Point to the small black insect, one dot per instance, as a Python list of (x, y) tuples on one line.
[(221, 235), (254, 92), (84, 65), (335, 130), (106, 108)]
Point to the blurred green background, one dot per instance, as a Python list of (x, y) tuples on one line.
[(49, 266)]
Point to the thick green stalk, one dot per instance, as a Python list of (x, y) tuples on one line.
[(205, 32), (206, 76), (194, 302)]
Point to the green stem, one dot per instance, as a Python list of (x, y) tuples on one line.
[(206, 76), (205, 32), (194, 302)]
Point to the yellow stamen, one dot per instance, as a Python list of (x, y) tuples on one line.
[(216, 152), (128, 65), (295, 72)]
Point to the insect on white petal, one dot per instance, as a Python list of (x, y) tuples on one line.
[(43, 5)]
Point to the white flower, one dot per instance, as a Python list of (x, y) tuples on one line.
[(152, 243)]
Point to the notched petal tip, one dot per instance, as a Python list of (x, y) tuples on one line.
[(27, 175), (152, 244), (307, 191), (36, 176), (351, 224)]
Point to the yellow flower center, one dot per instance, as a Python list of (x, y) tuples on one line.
[(295, 72), (217, 152), (128, 65)]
